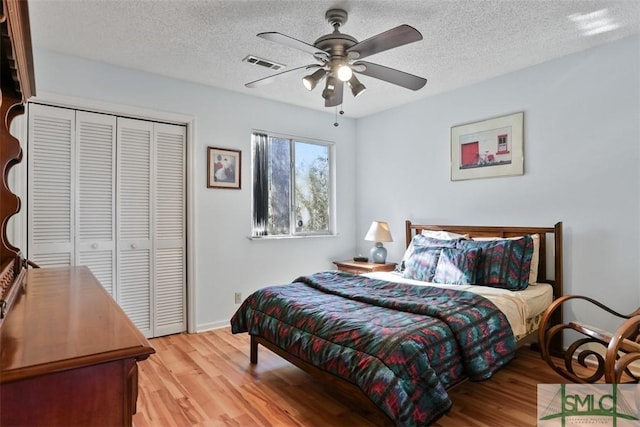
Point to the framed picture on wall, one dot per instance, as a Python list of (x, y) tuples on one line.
[(224, 168), (488, 148)]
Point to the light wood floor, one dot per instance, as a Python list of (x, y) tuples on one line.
[(206, 380)]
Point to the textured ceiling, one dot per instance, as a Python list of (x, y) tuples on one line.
[(204, 41)]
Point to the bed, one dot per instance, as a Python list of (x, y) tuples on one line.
[(401, 339)]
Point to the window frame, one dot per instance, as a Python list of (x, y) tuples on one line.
[(293, 234), (503, 147)]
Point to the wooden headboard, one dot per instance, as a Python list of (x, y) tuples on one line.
[(552, 236), (549, 255)]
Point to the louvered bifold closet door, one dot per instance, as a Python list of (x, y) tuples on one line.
[(51, 186), (135, 269), (95, 207), (170, 229)]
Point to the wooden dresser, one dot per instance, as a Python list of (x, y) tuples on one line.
[(68, 353)]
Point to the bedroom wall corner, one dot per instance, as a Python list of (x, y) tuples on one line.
[(581, 162)]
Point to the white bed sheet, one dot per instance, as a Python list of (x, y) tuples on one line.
[(517, 306)]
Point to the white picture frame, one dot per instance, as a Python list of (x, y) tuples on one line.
[(488, 148)]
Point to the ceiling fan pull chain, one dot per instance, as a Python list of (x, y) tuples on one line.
[(336, 124)]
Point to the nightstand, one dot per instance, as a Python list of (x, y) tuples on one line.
[(358, 267)]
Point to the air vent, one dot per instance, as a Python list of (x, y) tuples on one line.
[(263, 62)]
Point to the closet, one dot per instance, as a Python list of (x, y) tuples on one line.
[(108, 192)]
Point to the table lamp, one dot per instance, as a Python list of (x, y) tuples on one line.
[(378, 232)]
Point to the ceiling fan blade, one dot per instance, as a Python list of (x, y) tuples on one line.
[(394, 37), (336, 99), (294, 43), (269, 79), (391, 75)]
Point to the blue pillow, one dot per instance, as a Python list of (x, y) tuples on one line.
[(422, 263), (422, 241), (503, 263), (457, 266)]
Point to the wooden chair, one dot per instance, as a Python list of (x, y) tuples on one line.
[(620, 348)]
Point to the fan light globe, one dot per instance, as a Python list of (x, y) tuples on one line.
[(312, 80), (308, 83), (357, 88), (344, 73), (330, 88)]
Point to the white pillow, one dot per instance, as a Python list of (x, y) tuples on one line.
[(535, 257), (443, 235)]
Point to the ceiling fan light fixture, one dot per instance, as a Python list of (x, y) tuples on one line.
[(330, 88), (344, 72), (357, 88), (339, 56), (313, 79)]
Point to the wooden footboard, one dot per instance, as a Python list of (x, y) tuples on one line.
[(350, 391)]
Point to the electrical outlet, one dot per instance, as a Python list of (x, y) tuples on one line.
[(238, 297)]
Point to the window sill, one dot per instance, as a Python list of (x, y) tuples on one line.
[(306, 236)]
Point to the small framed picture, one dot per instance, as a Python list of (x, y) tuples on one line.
[(224, 168), (488, 148)]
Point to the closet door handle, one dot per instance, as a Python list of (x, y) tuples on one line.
[(94, 246), (133, 246)]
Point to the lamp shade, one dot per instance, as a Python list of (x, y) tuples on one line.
[(379, 232)]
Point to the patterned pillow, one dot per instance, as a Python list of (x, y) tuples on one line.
[(422, 263), (503, 263), (535, 258), (420, 241), (457, 266)]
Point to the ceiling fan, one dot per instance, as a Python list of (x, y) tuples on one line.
[(339, 58)]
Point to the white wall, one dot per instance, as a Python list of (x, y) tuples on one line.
[(225, 260), (581, 148), (582, 137)]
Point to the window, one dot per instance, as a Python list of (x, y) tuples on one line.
[(502, 144), (292, 186)]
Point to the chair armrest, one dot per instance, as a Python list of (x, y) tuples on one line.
[(618, 349), (620, 343), (615, 363)]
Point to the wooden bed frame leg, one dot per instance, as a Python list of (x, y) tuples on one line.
[(253, 357)]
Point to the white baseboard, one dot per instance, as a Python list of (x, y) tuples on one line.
[(203, 327)]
